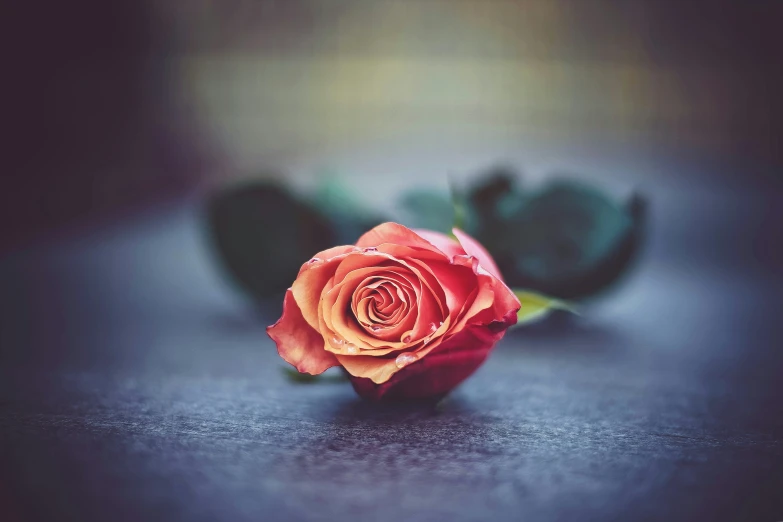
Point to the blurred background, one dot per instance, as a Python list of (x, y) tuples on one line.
[(112, 106), (154, 147)]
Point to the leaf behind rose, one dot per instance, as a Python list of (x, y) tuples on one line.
[(566, 238), (344, 209), (536, 307), (261, 259), (429, 209)]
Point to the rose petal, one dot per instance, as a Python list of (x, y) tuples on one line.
[(431, 376), (394, 234), (353, 263), (336, 301), (388, 304), (379, 369), (393, 253), (374, 369), (430, 297), (505, 300), (383, 287), (312, 278), (297, 342), (475, 249), (375, 307), (457, 283), (444, 243), (328, 255)]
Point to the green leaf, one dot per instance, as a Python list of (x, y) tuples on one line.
[(567, 238), (261, 259), (306, 378), (537, 306), (428, 209)]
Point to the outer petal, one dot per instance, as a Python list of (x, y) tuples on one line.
[(297, 342), (505, 300), (458, 284), (445, 244), (312, 278), (475, 249), (395, 234), (438, 373), (374, 369), (329, 254)]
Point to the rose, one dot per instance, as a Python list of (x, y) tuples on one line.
[(407, 313)]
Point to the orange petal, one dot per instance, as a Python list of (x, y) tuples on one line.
[(381, 369), (336, 300), (384, 253), (365, 307), (377, 369), (350, 330), (475, 249), (329, 254), (297, 342), (312, 278)]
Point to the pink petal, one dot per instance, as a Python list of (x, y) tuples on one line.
[(445, 244), (475, 249)]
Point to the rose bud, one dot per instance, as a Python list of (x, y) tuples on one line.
[(409, 314)]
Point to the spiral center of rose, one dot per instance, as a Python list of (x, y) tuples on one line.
[(383, 304)]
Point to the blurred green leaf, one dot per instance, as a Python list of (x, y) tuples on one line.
[(349, 216), (536, 307), (567, 239), (261, 234), (428, 209), (569, 228)]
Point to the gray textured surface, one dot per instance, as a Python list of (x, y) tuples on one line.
[(135, 386)]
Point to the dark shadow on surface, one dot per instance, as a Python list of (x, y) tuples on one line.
[(368, 443), (379, 413)]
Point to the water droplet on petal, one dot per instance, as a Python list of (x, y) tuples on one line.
[(315, 261), (404, 359), (370, 249), (375, 327), (351, 348), (336, 341), (433, 327), (406, 339)]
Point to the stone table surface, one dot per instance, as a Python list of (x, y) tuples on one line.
[(136, 385)]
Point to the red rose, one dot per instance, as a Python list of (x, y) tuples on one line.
[(407, 313)]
